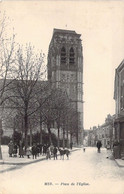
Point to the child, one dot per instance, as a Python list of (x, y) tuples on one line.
[(28, 152)]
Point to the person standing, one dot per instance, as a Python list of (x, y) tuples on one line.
[(55, 152), (28, 152), (51, 149), (11, 146), (99, 145), (34, 151), (21, 151), (48, 156), (15, 148)]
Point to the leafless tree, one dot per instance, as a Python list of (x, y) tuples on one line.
[(7, 45), (44, 92), (29, 69), (55, 111), (61, 105)]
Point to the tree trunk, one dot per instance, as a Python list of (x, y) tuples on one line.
[(58, 137), (22, 130), (77, 137), (41, 135), (63, 138), (71, 138), (26, 131), (0, 139), (30, 136), (67, 139), (49, 131), (14, 131)]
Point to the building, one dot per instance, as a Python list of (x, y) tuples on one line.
[(91, 137), (65, 70), (103, 132), (119, 107)]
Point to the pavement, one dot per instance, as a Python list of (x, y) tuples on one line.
[(119, 162), (10, 163)]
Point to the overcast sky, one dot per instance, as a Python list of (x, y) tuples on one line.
[(101, 24)]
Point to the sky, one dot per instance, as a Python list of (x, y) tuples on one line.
[(101, 25)]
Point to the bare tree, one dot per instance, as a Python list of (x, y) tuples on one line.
[(7, 46), (61, 105), (44, 92), (29, 70), (55, 111)]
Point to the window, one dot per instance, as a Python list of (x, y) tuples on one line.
[(63, 55), (71, 56)]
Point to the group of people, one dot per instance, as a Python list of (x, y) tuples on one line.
[(36, 150), (13, 149), (51, 151), (115, 148)]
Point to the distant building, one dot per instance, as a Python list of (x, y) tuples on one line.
[(91, 139), (103, 132), (119, 107), (85, 137)]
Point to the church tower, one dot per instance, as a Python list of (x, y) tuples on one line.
[(65, 70)]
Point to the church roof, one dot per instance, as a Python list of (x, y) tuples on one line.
[(62, 31)]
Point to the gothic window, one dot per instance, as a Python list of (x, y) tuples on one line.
[(63, 55), (71, 56)]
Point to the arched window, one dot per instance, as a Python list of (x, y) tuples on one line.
[(71, 56), (63, 55)]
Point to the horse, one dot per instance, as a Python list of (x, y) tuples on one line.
[(64, 152)]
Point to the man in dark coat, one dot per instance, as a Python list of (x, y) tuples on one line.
[(21, 150), (99, 145), (55, 152), (34, 151)]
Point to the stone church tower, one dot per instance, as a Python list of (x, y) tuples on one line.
[(65, 70)]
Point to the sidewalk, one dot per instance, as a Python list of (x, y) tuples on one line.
[(119, 162), (9, 163)]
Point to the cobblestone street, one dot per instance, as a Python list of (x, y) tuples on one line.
[(88, 172)]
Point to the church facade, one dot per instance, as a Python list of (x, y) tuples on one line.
[(65, 70)]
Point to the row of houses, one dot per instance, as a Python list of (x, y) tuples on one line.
[(103, 132), (113, 128)]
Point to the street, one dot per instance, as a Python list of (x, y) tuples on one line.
[(85, 172)]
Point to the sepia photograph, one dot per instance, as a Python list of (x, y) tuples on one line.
[(62, 97)]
